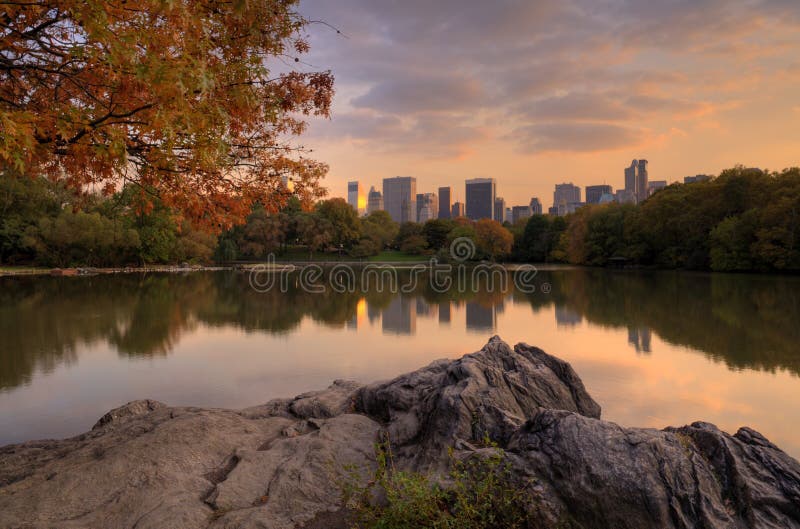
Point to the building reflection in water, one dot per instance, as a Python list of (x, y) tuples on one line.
[(424, 309), (639, 338), (480, 318), (566, 317), (444, 313), (399, 317)]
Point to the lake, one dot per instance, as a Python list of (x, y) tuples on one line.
[(653, 348)]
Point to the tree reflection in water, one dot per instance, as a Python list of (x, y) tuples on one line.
[(744, 321)]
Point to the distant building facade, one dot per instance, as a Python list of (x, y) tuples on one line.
[(520, 212), (374, 200), (480, 193), (355, 197), (427, 207), (536, 206), (636, 180), (696, 178), (457, 210), (655, 185), (566, 193), (623, 196), (445, 203), (594, 193), (499, 209), (400, 198)]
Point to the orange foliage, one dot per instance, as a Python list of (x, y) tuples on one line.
[(195, 101)]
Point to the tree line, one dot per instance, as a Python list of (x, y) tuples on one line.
[(46, 223), (742, 220)]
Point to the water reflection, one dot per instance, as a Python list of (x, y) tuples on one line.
[(743, 321)]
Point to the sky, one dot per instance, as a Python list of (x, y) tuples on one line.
[(539, 92)]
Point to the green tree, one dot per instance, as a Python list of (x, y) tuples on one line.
[(346, 227), (380, 229), (436, 231)]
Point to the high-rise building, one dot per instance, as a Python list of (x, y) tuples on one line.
[(520, 212), (400, 198), (508, 217), (536, 206), (445, 203), (457, 210), (630, 179), (480, 193), (499, 209), (594, 193), (636, 180), (355, 197), (566, 193), (427, 207), (374, 200), (641, 181), (655, 185)]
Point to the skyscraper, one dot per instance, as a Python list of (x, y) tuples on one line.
[(641, 181), (630, 179), (480, 193), (499, 209), (355, 196), (536, 206), (566, 193), (636, 180), (427, 207), (593, 193), (374, 200), (444, 203), (400, 198), (457, 210)]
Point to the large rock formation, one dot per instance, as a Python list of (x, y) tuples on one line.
[(280, 465)]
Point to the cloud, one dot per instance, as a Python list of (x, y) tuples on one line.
[(427, 136), (577, 137), (423, 76), (417, 93)]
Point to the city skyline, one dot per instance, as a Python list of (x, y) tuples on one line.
[(563, 94), (635, 187)]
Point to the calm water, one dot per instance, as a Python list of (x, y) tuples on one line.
[(654, 349)]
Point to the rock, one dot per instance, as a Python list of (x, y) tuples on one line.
[(485, 394), (280, 465), (131, 409), (598, 474)]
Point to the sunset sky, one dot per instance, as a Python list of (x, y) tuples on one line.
[(541, 92)]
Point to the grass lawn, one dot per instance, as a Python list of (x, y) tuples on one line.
[(396, 256), (389, 256), (22, 270)]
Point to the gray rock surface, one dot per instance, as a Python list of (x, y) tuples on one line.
[(280, 465)]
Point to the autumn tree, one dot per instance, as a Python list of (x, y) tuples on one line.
[(493, 239), (196, 102)]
